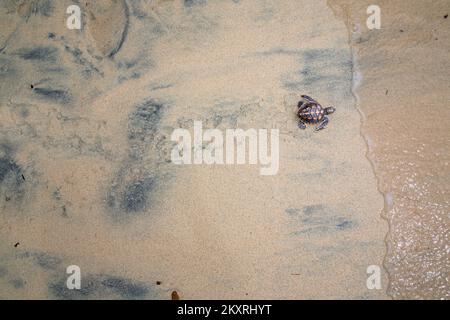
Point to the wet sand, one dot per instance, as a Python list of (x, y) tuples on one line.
[(404, 97), (86, 177)]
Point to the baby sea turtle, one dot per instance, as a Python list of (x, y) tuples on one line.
[(310, 111)]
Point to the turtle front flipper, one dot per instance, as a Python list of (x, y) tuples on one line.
[(309, 99), (322, 124), (303, 104)]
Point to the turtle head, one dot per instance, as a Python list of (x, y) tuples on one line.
[(329, 110)]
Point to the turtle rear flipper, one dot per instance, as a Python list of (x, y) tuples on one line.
[(301, 124)]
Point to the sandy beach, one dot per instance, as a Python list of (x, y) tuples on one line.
[(87, 178)]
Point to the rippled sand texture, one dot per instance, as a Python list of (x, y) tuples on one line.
[(85, 172), (405, 96)]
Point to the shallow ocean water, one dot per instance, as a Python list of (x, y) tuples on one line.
[(404, 100)]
